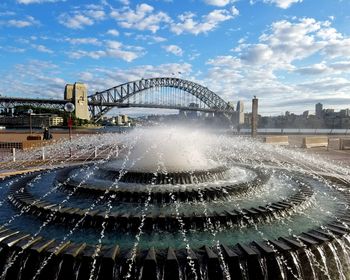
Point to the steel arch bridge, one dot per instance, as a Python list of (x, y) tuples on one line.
[(162, 92)]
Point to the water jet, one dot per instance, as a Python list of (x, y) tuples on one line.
[(178, 204)]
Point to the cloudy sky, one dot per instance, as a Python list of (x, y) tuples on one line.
[(291, 54)]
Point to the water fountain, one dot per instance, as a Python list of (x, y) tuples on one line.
[(178, 204)]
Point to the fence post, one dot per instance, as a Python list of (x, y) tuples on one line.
[(340, 143), (95, 154), (329, 141), (14, 154)]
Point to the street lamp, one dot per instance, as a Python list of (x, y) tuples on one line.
[(69, 107), (30, 112)]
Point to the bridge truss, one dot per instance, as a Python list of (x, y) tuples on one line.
[(163, 92), (11, 102)]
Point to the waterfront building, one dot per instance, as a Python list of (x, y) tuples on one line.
[(240, 112), (55, 121), (319, 110), (125, 119), (240, 106), (345, 113), (306, 114), (37, 120)]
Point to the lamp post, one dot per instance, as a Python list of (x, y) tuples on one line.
[(30, 112), (69, 108)]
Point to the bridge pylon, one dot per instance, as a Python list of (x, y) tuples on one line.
[(77, 94)]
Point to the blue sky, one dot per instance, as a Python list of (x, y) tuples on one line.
[(290, 53)]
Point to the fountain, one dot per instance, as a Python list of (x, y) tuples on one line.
[(177, 204)]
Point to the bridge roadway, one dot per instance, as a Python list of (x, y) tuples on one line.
[(159, 106), (159, 92), (20, 100), (60, 103)]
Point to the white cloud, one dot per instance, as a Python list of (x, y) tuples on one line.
[(234, 11), (284, 43), (188, 23), (265, 67), (338, 48), (258, 54), (329, 34), (219, 3), (20, 23), (42, 48), (142, 18), (113, 32), (327, 85), (225, 61), (113, 49), (174, 49), (80, 18), (316, 69), (151, 39), (92, 54), (96, 14), (26, 2), (29, 75), (77, 21), (194, 55), (234, 80), (7, 13), (84, 41), (290, 41), (283, 4), (339, 67), (125, 2), (13, 49)]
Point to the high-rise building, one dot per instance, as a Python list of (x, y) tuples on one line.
[(306, 114), (77, 94), (344, 113), (240, 112), (319, 110), (240, 106)]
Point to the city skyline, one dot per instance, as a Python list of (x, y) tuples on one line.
[(291, 54)]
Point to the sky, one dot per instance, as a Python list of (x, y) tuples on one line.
[(291, 54)]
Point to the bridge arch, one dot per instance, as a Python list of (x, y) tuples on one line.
[(119, 96)]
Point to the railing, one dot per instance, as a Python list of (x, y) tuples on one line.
[(18, 159), (330, 131)]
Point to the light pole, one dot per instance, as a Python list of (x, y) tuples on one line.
[(30, 112), (69, 108)]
